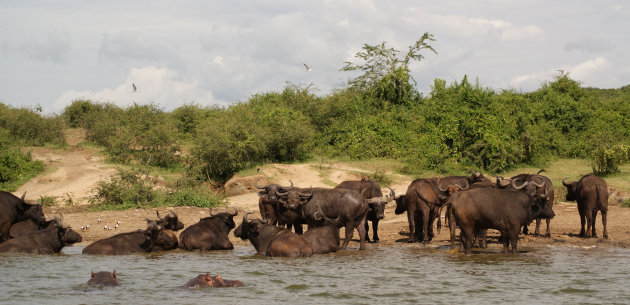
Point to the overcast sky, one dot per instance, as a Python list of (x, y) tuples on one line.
[(221, 52)]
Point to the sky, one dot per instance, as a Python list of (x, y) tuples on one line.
[(218, 53)]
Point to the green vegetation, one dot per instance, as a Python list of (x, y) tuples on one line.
[(378, 116)]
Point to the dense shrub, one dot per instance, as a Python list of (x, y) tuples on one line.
[(26, 127), (15, 167)]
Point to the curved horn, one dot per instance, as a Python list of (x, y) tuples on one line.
[(23, 195), (309, 194), (392, 194), (475, 173), (520, 186), (210, 212), (545, 195), (565, 183), (258, 187), (463, 188), (158, 215), (439, 186), (538, 184), (235, 212), (285, 189), (245, 224)]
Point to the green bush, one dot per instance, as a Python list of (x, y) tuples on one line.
[(15, 167), (606, 161), (29, 128)]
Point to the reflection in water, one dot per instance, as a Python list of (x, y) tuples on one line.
[(561, 275)]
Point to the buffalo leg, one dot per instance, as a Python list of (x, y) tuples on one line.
[(548, 233), (466, 235), (367, 232), (514, 242), (410, 218), (604, 215), (537, 230), (349, 232), (452, 226), (582, 223), (374, 231), (594, 221), (362, 234), (525, 229), (589, 224)]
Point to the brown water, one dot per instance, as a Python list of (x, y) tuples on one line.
[(387, 275)]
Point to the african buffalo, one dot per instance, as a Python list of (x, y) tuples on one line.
[(13, 210), (210, 233), (505, 210), (205, 280), (170, 223), (422, 204), (324, 239), (46, 241), (591, 194), (268, 201), (270, 240), (376, 203), (540, 180), (103, 279), (348, 205), (132, 242)]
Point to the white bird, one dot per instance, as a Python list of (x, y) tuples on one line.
[(561, 71), (135, 89), (105, 227), (82, 228), (99, 220), (116, 227), (308, 69), (87, 227)]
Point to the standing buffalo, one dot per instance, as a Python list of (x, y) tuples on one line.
[(376, 203), (14, 209), (505, 210), (347, 205), (103, 279), (324, 239), (270, 240), (591, 194), (46, 241), (268, 201), (544, 186), (210, 233), (205, 280), (132, 242)]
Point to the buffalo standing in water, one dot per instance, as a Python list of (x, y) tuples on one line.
[(270, 240), (13, 210), (205, 280)]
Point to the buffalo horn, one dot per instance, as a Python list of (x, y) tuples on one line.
[(318, 218), (538, 184), (23, 195), (210, 212), (463, 188), (258, 187), (439, 186), (392, 194), (565, 183), (305, 194), (235, 212), (245, 224), (520, 186), (158, 215), (284, 189)]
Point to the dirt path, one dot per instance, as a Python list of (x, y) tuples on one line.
[(76, 171)]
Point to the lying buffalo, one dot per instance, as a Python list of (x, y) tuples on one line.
[(348, 205), (210, 233), (103, 279), (46, 241), (376, 203), (205, 280), (324, 239), (132, 242), (591, 194), (501, 209), (170, 223), (270, 240), (13, 210)]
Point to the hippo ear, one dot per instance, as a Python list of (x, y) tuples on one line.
[(114, 273), (208, 277), (92, 273)]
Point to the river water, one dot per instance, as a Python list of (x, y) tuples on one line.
[(387, 275)]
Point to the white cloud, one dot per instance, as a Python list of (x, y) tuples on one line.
[(160, 86)]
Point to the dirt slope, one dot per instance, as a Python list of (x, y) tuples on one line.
[(73, 173)]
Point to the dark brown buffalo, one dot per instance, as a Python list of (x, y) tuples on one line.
[(170, 223), (132, 242), (376, 203), (205, 280), (591, 194), (27, 226), (210, 233), (548, 188), (13, 210), (324, 239), (505, 210), (268, 201), (270, 240), (103, 279), (347, 205), (47, 241)]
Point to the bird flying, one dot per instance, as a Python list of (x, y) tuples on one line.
[(308, 69), (135, 89)]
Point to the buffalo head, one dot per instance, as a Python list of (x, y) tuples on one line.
[(170, 222), (571, 189), (293, 199), (272, 191), (248, 228), (377, 204)]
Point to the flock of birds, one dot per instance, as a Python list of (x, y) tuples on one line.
[(105, 227)]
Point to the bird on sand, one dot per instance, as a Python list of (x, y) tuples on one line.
[(308, 69)]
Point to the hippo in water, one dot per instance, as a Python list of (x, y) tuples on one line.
[(205, 280), (103, 279)]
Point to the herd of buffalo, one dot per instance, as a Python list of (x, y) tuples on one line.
[(473, 203)]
